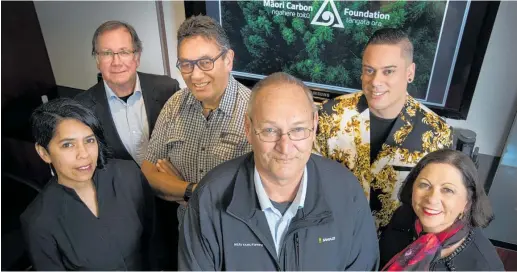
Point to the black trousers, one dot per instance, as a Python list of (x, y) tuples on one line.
[(167, 231)]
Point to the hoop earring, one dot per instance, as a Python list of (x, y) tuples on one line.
[(51, 171)]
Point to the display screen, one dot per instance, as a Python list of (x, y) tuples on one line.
[(321, 42)]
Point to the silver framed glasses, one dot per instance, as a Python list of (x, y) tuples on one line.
[(205, 64), (270, 135), (108, 56)]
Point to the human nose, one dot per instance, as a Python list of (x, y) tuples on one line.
[(115, 59), (433, 196), (197, 72), (284, 144), (82, 152), (376, 79)]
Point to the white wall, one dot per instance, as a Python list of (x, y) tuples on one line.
[(495, 99), (68, 28), (174, 15)]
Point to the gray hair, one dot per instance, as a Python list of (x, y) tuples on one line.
[(393, 36), (279, 78), (112, 25), (206, 27)]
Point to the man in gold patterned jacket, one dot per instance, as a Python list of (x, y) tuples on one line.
[(380, 133)]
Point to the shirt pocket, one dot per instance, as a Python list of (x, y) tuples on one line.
[(174, 145), (229, 145)]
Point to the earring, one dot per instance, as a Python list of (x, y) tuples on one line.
[(410, 80), (51, 171), (460, 216)]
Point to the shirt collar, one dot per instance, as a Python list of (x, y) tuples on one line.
[(111, 95), (265, 202), (228, 99)]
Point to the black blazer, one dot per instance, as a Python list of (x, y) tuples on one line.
[(475, 254), (156, 90)]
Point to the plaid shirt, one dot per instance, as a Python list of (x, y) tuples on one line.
[(195, 144)]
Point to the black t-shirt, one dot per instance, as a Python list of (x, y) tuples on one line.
[(379, 131), (281, 207), (125, 98)]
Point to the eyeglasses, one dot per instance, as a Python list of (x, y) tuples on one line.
[(205, 64), (108, 56), (273, 135)]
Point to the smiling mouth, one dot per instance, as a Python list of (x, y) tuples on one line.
[(431, 212), (284, 160), (85, 168), (200, 85)]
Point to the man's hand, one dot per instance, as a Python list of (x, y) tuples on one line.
[(164, 166)]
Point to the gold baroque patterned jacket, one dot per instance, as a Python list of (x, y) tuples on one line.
[(344, 136)]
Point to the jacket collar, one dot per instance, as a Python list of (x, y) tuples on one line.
[(99, 97), (112, 95), (404, 123), (244, 202)]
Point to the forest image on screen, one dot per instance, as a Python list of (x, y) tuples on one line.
[(322, 42)]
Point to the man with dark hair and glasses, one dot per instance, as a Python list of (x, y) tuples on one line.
[(126, 102), (202, 125), (279, 207)]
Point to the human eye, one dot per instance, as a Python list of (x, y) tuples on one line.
[(368, 71), (298, 131), (91, 140), (423, 185), (447, 190), (106, 54), (124, 53), (388, 72), (67, 145), (205, 63), (185, 65), (269, 131)]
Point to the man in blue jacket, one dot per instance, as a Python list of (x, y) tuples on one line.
[(279, 207)]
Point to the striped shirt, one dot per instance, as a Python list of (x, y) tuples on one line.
[(195, 144)]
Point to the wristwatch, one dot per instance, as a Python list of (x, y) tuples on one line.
[(188, 192)]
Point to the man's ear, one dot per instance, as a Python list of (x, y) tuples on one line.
[(228, 60), (247, 127), (315, 122), (98, 64), (411, 72), (137, 58), (43, 153)]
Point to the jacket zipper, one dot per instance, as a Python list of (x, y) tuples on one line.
[(294, 231), (297, 253)]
